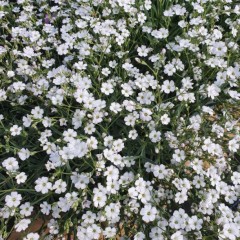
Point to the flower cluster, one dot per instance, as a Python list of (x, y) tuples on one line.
[(120, 118)]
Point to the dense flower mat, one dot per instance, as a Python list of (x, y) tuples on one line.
[(120, 113)]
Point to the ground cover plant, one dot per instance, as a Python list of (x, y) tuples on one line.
[(120, 117)]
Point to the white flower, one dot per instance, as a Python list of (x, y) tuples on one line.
[(26, 209), (32, 236), (213, 91), (155, 136), (148, 213), (145, 114), (11, 164), (118, 145), (178, 219), (28, 52), (13, 200), (143, 51), (2, 50), (92, 143), (219, 49), (21, 178), (179, 155), (24, 154), (141, 18), (99, 199), (160, 171), (147, 5), (160, 34), (139, 236), (15, 130), (45, 208), (60, 186), (156, 233), (168, 86), (27, 121), (37, 112), (69, 135), (112, 212), (110, 232), (112, 173), (233, 145), (165, 119), (231, 231), (80, 181), (93, 231), (181, 197), (3, 95), (106, 71), (80, 65), (169, 69), (43, 185), (18, 86), (62, 49), (78, 148), (22, 225), (133, 134), (177, 236), (208, 110), (10, 74), (107, 88), (115, 107)]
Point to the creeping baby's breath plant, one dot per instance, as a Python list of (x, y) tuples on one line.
[(120, 118)]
